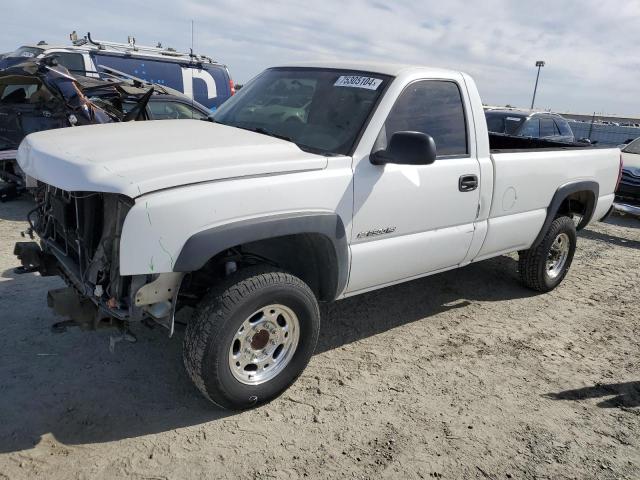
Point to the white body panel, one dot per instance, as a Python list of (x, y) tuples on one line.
[(188, 176), (525, 183), (141, 157), (160, 223)]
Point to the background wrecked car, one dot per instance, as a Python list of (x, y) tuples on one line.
[(37, 95)]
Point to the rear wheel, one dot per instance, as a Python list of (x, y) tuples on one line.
[(251, 337), (543, 267)]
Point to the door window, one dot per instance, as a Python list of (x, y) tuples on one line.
[(208, 84), (164, 110), (154, 71), (531, 128), (547, 127), (564, 128), (17, 93), (433, 107), (71, 61)]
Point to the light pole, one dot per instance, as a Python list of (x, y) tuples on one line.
[(539, 64)]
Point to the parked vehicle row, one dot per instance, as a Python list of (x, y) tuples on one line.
[(316, 182), (544, 125)]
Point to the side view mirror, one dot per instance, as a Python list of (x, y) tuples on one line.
[(407, 148)]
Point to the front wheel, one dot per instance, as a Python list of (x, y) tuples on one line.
[(543, 267), (251, 337)]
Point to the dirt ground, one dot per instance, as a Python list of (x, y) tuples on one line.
[(461, 375)]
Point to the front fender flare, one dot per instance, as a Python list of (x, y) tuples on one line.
[(206, 244)]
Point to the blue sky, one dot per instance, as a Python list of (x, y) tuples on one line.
[(590, 46)]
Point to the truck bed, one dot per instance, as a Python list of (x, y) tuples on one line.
[(503, 142), (525, 181)]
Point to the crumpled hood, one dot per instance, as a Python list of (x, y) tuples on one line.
[(141, 157)]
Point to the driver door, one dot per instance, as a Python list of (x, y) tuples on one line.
[(410, 220)]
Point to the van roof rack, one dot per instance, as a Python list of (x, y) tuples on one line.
[(131, 46)]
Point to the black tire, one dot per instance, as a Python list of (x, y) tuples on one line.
[(532, 263), (210, 333)]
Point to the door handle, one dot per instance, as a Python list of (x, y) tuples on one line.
[(467, 183)]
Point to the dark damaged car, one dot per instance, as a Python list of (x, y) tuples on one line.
[(628, 192), (37, 95)]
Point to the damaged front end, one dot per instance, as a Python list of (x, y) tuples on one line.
[(79, 236)]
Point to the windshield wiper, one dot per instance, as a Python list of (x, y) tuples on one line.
[(271, 134), (260, 130)]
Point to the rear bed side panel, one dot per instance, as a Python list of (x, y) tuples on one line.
[(511, 232), (602, 207), (526, 182)]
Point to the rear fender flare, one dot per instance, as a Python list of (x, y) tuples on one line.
[(560, 196)]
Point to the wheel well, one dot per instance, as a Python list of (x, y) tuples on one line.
[(578, 203), (572, 198), (309, 256)]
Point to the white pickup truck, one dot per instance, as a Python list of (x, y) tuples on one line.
[(315, 183)]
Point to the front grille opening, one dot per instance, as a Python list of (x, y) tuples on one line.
[(73, 222), (83, 229)]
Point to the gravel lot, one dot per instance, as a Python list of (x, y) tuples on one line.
[(461, 375)]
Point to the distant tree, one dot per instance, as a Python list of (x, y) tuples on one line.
[(509, 106)]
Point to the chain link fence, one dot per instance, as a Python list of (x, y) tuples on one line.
[(604, 134)]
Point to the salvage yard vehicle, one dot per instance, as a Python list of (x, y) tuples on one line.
[(197, 76), (388, 176), (628, 193), (545, 125), (38, 95)]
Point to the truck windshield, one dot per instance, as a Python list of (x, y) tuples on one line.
[(633, 147), (320, 110)]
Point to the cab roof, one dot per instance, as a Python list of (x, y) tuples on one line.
[(392, 69), (519, 113)]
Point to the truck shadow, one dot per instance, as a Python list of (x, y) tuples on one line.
[(16, 209), (621, 220), (612, 239), (366, 315), (71, 386), (625, 394)]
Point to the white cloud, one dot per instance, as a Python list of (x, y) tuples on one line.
[(589, 46)]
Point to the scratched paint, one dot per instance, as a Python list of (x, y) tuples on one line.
[(166, 251)]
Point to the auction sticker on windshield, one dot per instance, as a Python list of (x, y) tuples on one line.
[(369, 83)]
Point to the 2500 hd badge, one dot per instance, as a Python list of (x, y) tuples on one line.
[(375, 233)]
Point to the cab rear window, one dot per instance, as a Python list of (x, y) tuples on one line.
[(503, 123)]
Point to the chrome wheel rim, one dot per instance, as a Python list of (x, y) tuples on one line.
[(264, 344), (558, 254)]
